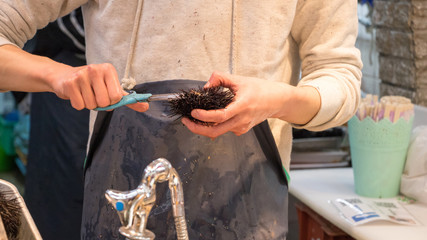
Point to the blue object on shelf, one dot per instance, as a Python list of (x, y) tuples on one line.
[(12, 116), (21, 133)]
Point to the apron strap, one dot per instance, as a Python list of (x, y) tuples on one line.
[(101, 125), (268, 145)]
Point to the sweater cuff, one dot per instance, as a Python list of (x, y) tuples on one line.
[(331, 97), (4, 41)]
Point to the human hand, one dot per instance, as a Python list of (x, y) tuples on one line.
[(255, 100), (92, 86)]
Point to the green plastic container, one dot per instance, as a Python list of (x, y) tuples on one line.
[(7, 149), (6, 161), (378, 154), (6, 136)]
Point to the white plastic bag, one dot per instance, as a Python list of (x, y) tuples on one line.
[(414, 178)]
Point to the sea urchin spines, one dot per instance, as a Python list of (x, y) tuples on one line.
[(201, 98), (10, 213)]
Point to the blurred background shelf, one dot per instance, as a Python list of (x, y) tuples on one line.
[(325, 149)]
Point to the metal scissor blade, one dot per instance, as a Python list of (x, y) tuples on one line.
[(162, 97)]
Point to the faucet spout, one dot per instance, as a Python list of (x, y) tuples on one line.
[(175, 186), (134, 206)]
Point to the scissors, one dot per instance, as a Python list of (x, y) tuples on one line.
[(134, 97)]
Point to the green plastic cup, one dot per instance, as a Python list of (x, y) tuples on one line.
[(378, 154)]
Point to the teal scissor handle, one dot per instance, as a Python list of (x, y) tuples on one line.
[(133, 97)]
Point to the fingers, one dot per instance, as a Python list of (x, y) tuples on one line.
[(217, 116), (209, 131), (92, 86), (247, 109), (222, 115), (105, 85), (139, 107), (73, 92), (99, 90), (219, 79), (95, 85), (224, 120), (115, 91), (236, 125), (87, 92)]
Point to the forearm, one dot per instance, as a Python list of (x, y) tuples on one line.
[(297, 105), (22, 71), (330, 62)]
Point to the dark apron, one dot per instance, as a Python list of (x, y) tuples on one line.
[(57, 149), (234, 186)]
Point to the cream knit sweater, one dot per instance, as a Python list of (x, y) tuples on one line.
[(304, 42)]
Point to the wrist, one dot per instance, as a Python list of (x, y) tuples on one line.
[(301, 106), (51, 73)]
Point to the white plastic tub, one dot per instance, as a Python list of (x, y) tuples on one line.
[(27, 230)]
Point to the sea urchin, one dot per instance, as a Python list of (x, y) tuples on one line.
[(201, 98)]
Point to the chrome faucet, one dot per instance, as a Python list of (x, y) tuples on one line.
[(134, 206)]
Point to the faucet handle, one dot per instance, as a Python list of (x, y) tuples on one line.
[(133, 208), (121, 201)]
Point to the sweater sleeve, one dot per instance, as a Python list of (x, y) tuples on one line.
[(326, 32), (20, 19)]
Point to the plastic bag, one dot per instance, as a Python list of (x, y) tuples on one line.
[(414, 178)]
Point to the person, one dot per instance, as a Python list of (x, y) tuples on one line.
[(289, 63), (58, 138)]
